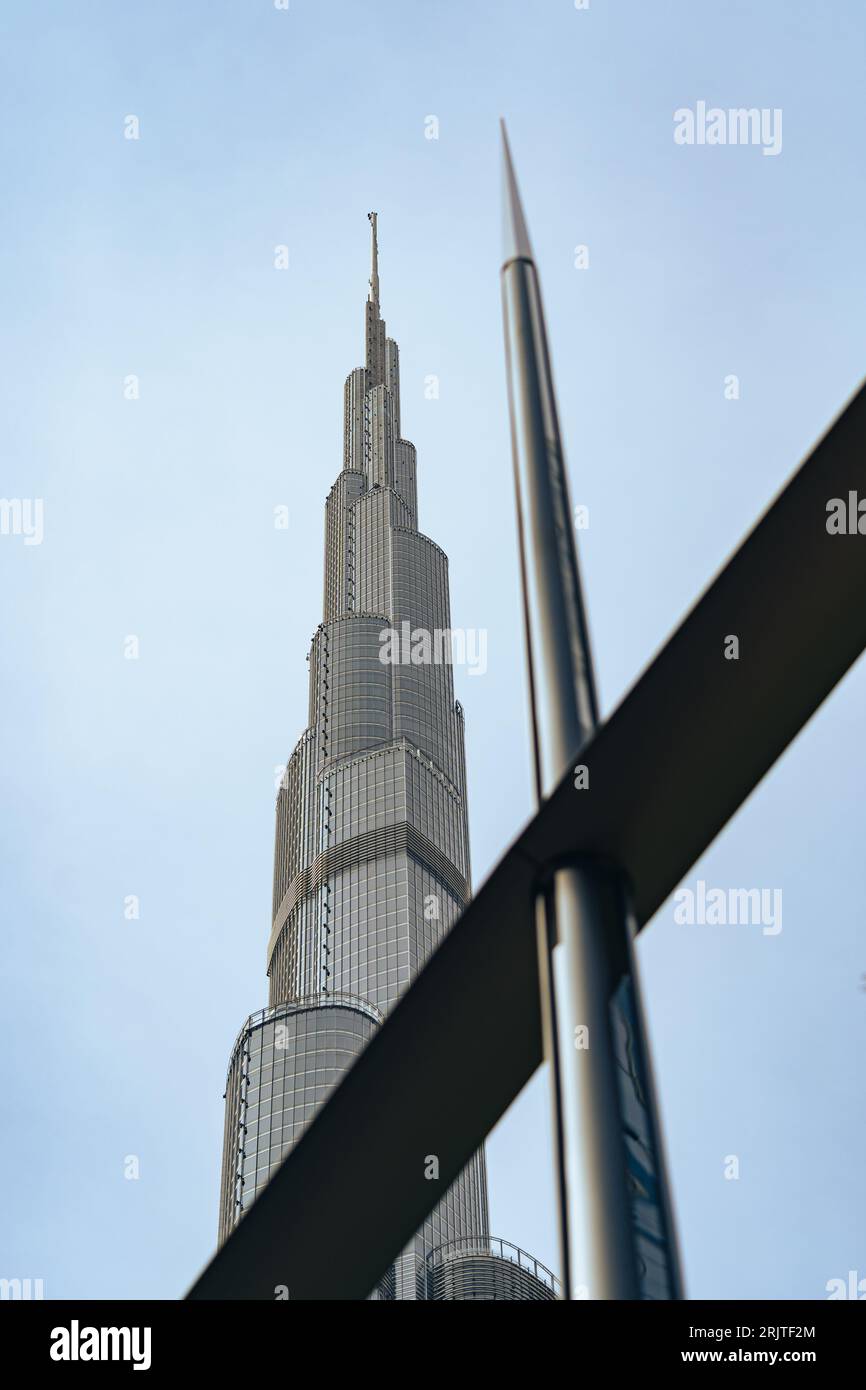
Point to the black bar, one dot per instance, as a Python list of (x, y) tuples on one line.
[(825, 1336)]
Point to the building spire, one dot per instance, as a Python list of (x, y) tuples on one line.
[(375, 328), (374, 261)]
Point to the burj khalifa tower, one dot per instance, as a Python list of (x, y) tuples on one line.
[(371, 855)]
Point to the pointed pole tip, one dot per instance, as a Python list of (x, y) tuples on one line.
[(515, 235)]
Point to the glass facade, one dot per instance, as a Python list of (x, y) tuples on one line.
[(371, 855), (284, 1065)]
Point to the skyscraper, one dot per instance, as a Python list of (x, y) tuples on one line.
[(371, 858)]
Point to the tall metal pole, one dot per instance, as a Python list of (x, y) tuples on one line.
[(616, 1231)]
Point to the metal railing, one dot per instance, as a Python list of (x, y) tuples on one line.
[(308, 1001), (493, 1248)]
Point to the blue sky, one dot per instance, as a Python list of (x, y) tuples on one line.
[(155, 777)]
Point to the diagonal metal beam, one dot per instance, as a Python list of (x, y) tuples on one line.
[(677, 758)]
